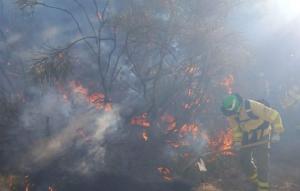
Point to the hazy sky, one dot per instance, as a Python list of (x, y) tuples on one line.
[(260, 21), (270, 30)]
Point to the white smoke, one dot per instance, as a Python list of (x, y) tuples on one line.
[(71, 127)]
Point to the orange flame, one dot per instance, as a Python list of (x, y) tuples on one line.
[(187, 106), (177, 144), (65, 95), (142, 121), (78, 88), (26, 183), (223, 142), (97, 99), (192, 129), (194, 103), (228, 83), (145, 136), (50, 188), (227, 142), (166, 173), (170, 120), (173, 144), (65, 98), (11, 182), (189, 92), (189, 128)]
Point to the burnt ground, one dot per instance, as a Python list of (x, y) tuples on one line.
[(284, 174), (284, 169), (110, 182), (223, 175), (285, 166)]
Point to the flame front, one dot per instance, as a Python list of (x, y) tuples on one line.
[(96, 99), (227, 142), (78, 88), (222, 142)]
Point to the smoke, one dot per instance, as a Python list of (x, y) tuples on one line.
[(61, 129)]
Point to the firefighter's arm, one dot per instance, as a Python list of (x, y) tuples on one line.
[(270, 115), (236, 131)]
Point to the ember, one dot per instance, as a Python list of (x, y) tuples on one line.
[(189, 92), (193, 103), (145, 136), (96, 99), (100, 94), (142, 121), (177, 144), (12, 182), (170, 120), (78, 88), (50, 188), (26, 183), (166, 173), (222, 142), (228, 83), (189, 128)]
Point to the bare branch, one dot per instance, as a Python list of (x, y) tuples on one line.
[(86, 15), (65, 11)]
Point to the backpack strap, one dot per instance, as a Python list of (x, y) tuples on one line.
[(250, 114), (260, 128), (249, 111)]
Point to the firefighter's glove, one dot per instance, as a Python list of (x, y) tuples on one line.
[(237, 146), (275, 138)]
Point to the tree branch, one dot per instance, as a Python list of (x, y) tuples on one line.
[(86, 15), (73, 18)]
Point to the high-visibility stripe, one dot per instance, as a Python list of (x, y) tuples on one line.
[(263, 186), (263, 189), (253, 177), (233, 105)]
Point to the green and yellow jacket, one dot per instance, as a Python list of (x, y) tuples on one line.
[(255, 119)]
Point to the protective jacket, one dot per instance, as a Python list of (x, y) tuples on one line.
[(255, 120)]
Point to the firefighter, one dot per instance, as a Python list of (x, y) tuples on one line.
[(253, 121)]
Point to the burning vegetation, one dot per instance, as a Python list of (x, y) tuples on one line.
[(119, 96)]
